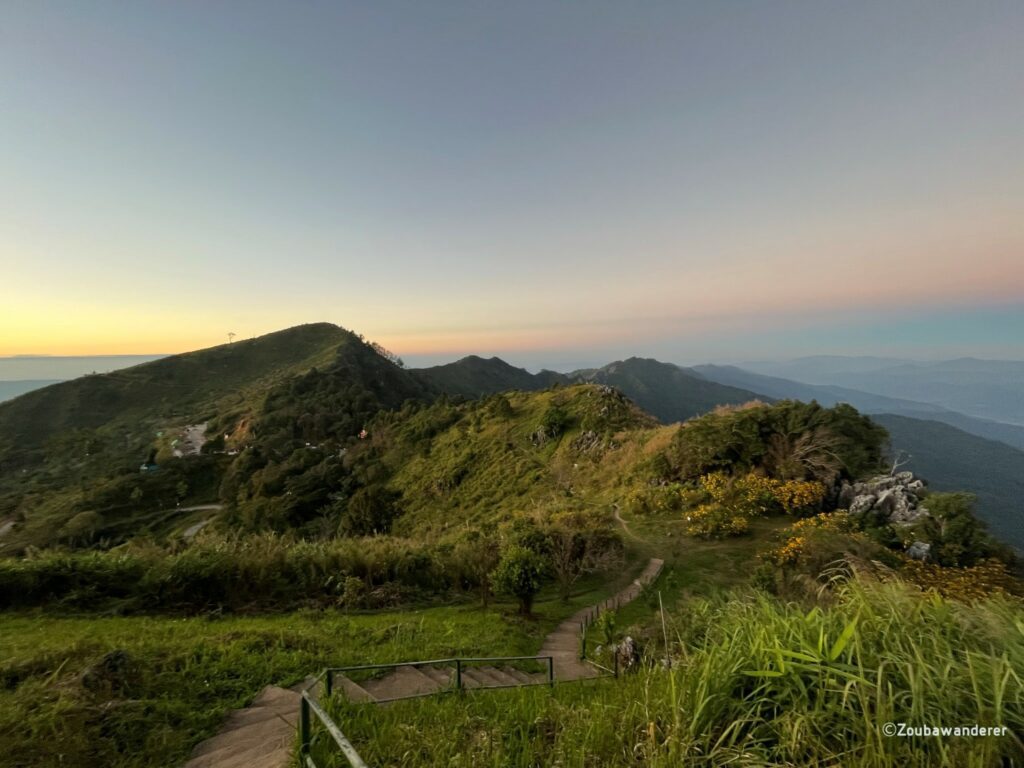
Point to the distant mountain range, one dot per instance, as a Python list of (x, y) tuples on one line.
[(665, 391), (986, 389), (952, 460), (300, 380), (866, 402)]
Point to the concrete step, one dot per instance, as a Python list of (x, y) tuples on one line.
[(272, 751), (501, 676), (401, 682), (243, 717), (443, 676), (351, 690), (525, 678), (249, 734), (471, 678), (272, 695)]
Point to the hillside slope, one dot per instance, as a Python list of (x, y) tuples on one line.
[(475, 376), (952, 460), (484, 461), (72, 451), (12, 389), (865, 402), (180, 387), (664, 390)]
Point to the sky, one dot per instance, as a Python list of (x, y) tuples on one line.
[(557, 183)]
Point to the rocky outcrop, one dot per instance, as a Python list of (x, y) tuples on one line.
[(889, 500)]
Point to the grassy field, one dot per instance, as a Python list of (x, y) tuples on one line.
[(141, 691), (754, 682)]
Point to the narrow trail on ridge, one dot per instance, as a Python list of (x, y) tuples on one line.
[(563, 643)]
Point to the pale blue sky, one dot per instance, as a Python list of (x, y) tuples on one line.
[(542, 181)]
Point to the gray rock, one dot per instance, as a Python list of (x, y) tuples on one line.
[(862, 504), (628, 653), (919, 550)]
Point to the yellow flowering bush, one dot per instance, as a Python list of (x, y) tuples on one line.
[(798, 496), (985, 579), (794, 546), (730, 502), (657, 500), (714, 521)]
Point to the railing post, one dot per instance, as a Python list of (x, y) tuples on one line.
[(551, 671), (328, 684), (458, 674), (304, 726), (583, 638)]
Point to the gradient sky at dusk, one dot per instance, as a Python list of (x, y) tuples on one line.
[(551, 182)]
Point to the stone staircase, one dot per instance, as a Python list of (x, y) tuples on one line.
[(260, 736), (263, 734), (420, 680)]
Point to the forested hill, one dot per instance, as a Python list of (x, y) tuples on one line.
[(475, 376), (666, 391), (70, 454), (188, 386)]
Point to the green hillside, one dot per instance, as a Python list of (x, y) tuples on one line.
[(72, 451), (474, 376), (178, 388), (488, 460), (666, 391), (12, 389)]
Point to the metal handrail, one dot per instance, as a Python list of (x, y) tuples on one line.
[(308, 706), (361, 667)]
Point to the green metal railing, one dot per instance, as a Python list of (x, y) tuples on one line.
[(611, 604), (310, 708)]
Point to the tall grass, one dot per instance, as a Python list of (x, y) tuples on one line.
[(231, 573), (754, 681), (128, 692)]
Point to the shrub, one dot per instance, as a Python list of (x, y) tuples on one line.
[(987, 578), (520, 573)]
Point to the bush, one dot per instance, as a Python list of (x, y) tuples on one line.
[(520, 573), (255, 572)]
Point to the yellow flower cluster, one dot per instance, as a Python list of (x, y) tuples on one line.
[(794, 547), (732, 501), (986, 579), (798, 495), (713, 521)]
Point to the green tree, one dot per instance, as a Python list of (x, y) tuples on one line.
[(578, 545), (477, 554), (371, 510), (555, 420), (520, 574), (957, 537)]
